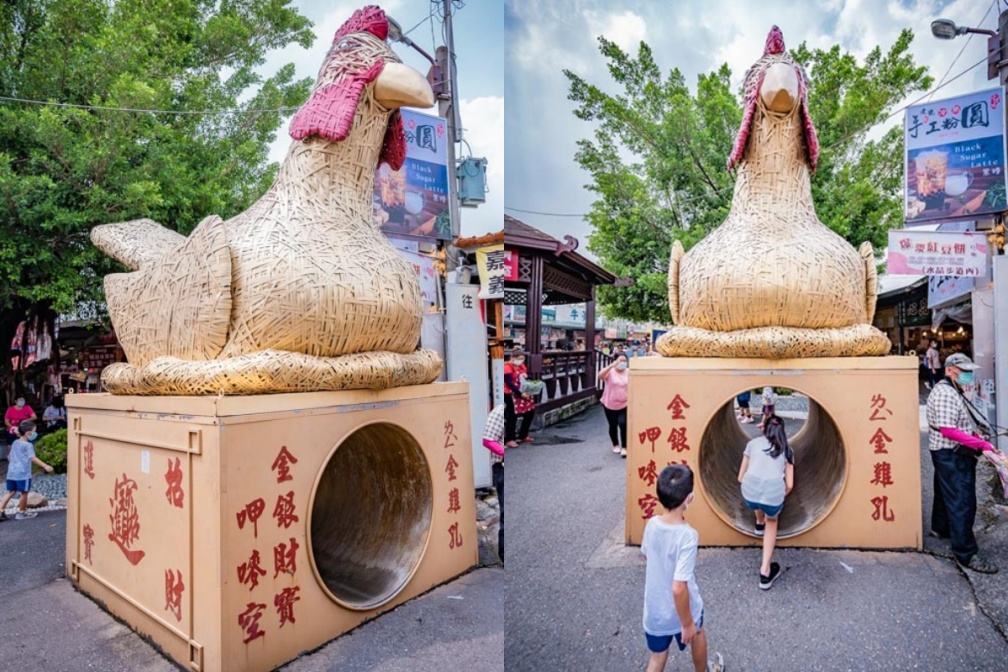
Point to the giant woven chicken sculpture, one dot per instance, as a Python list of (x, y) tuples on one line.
[(772, 281), (300, 292)]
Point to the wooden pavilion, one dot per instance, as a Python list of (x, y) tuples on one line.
[(545, 271)]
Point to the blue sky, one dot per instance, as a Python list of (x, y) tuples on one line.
[(480, 54), (545, 36)]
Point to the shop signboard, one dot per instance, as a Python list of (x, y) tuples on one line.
[(490, 263), (914, 313), (510, 264), (954, 164), (413, 200), (915, 252)]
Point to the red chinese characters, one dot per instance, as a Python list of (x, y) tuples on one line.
[(250, 571), (282, 463), (647, 504), (88, 542), (284, 510), (453, 501), (451, 467), (449, 434), (248, 621), (882, 476), (285, 558), (648, 474), (173, 593), (284, 603), (677, 439), (651, 434), (125, 519), (173, 478), (880, 440), (879, 410), (882, 511), (252, 511), (89, 459), (676, 406), (454, 504), (455, 537)]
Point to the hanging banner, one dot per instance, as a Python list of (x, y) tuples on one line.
[(955, 157), (413, 200), (490, 262), (913, 252), (944, 290)]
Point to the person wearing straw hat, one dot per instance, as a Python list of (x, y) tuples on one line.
[(955, 441)]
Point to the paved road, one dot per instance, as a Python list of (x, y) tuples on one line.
[(47, 626), (574, 592)]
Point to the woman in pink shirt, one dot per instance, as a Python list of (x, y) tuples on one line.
[(13, 417), (614, 401)]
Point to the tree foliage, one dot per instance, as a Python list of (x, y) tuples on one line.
[(64, 170), (657, 158)]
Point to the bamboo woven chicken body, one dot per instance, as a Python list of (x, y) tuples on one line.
[(301, 291), (772, 281)]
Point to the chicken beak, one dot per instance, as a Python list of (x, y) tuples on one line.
[(780, 88), (399, 85)]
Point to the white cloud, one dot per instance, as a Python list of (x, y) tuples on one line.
[(626, 29), (483, 129)]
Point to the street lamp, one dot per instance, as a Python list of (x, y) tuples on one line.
[(946, 29), (434, 78)]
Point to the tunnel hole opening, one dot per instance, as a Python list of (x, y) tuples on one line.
[(820, 461), (371, 516)]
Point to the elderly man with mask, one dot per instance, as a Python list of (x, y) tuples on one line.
[(956, 438)]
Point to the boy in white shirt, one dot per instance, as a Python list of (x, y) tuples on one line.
[(670, 546)]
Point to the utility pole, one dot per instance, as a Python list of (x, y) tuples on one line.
[(997, 67), (448, 110)]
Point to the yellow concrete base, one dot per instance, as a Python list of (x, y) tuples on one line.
[(238, 532), (857, 459)]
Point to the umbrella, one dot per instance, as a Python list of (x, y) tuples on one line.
[(1000, 462)]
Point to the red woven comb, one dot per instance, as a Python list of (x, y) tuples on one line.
[(370, 18), (774, 42)]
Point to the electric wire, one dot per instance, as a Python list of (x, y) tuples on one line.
[(965, 44), (841, 141)]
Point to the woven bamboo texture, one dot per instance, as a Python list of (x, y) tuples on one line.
[(301, 291), (773, 281)]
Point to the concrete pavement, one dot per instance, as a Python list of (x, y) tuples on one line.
[(49, 627), (574, 592)]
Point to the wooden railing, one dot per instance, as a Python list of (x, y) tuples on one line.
[(566, 376)]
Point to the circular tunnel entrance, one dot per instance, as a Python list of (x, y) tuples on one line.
[(820, 469), (371, 516)]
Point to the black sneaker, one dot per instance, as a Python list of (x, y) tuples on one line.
[(937, 535), (760, 528), (766, 581), (978, 563), (3, 516)]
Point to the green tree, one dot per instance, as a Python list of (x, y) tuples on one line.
[(64, 170), (658, 153)]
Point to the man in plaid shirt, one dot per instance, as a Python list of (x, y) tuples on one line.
[(955, 447), (493, 439)]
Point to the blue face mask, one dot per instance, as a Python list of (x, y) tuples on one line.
[(965, 378), (33, 436)]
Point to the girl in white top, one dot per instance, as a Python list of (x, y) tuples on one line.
[(767, 476)]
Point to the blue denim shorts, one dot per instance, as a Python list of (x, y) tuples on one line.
[(770, 511), (19, 486), (661, 643)]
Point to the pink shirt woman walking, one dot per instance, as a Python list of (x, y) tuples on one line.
[(614, 401)]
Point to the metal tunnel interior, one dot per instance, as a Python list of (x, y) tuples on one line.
[(371, 516), (820, 470)]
